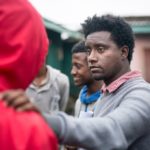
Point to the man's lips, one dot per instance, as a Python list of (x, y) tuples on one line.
[(76, 79), (95, 69)]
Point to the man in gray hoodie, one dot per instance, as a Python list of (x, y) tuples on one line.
[(122, 117)]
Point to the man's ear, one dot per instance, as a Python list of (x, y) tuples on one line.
[(124, 52)]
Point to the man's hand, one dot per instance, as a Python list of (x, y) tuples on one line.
[(67, 147), (18, 100)]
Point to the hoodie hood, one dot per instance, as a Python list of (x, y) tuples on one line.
[(22, 47)]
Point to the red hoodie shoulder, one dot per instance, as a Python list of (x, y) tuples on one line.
[(24, 132)]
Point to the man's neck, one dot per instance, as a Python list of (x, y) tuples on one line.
[(38, 81), (125, 69), (94, 87)]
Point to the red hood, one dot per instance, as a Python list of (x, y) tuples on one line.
[(22, 47)]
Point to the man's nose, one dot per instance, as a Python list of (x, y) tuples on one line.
[(92, 56), (73, 71)]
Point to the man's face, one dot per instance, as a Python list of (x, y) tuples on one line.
[(104, 56), (80, 70)]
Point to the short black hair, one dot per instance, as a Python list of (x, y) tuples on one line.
[(79, 47), (120, 30)]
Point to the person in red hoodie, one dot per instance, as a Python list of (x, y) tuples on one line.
[(23, 48)]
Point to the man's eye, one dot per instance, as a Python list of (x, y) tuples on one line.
[(88, 51), (100, 49), (78, 66)]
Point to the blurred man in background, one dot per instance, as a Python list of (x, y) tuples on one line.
[(49, 91), (82, 76)]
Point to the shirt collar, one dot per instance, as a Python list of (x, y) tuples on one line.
[(118, 82), (44, 83)]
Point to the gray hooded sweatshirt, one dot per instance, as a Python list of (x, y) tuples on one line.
[(121, 121)]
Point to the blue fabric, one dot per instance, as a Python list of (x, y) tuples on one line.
[(88, 99)]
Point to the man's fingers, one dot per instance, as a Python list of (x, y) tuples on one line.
[(15, 98), (28, 107), (11, 94), (18, 102)]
